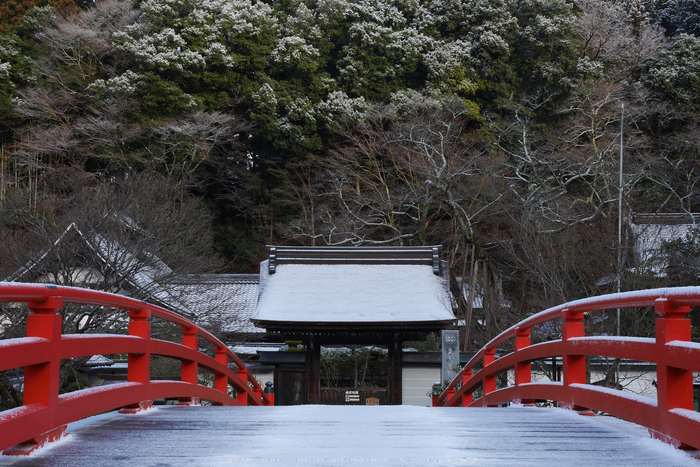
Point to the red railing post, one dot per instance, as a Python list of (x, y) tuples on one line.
[(523, 370), (489, 382), (41, 380), (466, 398), (220, 379), (139, 370), (242, 396), (450, 395), (573, 366), (189, 368), (674, 385), (188, 371)]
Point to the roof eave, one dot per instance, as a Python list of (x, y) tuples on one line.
[(338, 326)]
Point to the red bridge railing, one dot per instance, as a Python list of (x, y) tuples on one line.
[(45, 413), (670, 417)]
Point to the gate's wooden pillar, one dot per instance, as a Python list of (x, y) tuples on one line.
[(313, 371), (395, 371)]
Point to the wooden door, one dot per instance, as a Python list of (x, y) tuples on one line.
[(290, 387)]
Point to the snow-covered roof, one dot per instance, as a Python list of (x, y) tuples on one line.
[(99, 360), (225, 300), (254, 348), (25, 270), (371, 294)]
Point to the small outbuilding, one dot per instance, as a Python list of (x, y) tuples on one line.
[(331, 296)]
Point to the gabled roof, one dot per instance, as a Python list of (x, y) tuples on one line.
[(25, 271), (226, 300), (360, 288)]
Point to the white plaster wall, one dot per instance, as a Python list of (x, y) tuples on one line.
[(417, 381)]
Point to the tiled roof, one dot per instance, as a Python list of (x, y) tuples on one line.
[(225, 300), (99, 360), (665, 218)]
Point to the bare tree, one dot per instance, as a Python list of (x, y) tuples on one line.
[(179, 148), (83, 40), (136, 236), (394, 181), (620, 39)]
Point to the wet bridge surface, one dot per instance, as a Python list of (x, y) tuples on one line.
[(356, 435)]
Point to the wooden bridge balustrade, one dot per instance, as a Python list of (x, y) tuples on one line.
[(44, 413), (670, 418)]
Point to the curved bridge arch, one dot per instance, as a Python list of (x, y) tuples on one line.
[(45, 413), (670, 417)]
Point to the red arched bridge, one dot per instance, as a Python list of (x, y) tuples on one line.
[(45, 413), (361, 431)]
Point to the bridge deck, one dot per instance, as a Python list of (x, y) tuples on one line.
[(331, 436)]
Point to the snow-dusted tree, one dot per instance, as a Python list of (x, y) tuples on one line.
[(188, 54), (675, 71), (616, 38), (15, 70)]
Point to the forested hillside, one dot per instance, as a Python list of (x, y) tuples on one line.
[(487, 126)]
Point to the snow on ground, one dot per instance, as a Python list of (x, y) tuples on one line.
[(355, 435)]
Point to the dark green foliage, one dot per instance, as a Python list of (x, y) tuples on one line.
[(682, 257), (455, 122), (156, 96), (676, 16), (677, 71), (15, 70), (363, 367)]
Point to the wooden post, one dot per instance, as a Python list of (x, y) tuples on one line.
[(188, 368), (395, 371), (242, 396), (188, 371), (41, 380), (523, 370), (472, 291), (489, 382), (313, 371), (220, 379), (139, 370), (675, 385), (573, 366), (466, 398)]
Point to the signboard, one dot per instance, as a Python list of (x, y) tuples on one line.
[(450, 355), (352, 396)]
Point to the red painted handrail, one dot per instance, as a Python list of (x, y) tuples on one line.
[(44, 346), (671, 417)]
